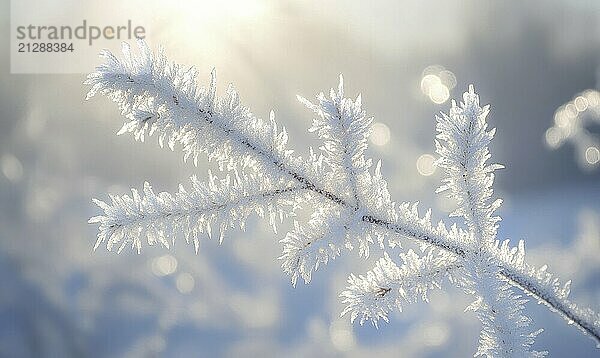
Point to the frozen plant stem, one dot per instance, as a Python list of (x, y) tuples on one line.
[(351, 204)]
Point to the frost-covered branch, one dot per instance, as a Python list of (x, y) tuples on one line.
[(351, 204), (506, 330), (542, 285), (387, 287), (546, 288), (344, 127), (223, 203), (462, 143)]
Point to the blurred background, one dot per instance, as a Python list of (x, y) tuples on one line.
[(533, 61)]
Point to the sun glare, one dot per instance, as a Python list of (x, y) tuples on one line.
[(205, 25)]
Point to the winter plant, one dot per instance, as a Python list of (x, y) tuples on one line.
[(350, 203)]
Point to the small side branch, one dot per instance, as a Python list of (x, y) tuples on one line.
[(586, 320)]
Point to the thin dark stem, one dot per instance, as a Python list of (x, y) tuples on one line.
[(569, 312)]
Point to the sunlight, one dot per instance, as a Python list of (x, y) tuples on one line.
[(426, 164), (209, 20), (196, 11), (437, 82), (380, 134)]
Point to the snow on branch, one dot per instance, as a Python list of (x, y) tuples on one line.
[(159, 96), (506, 330), (350, 202), (546, 288), (344, 127), (462, 143), (387, 287), (330, 230), (304, 249), (220, 203)]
